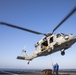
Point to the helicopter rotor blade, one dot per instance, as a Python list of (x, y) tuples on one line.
[(21, 28), (72, 12)]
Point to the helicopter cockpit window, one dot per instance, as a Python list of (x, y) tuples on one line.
[(51, 39), (64, 34)]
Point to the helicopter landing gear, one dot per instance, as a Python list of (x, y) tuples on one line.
[(63, 53), (28, 62)]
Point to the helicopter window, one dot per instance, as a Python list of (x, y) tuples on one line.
[(64, 34), (51, 39), (58, 35)]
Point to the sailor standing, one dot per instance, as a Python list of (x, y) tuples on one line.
[(56, 68)]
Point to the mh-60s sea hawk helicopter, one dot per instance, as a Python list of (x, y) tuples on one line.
[(50, 43)]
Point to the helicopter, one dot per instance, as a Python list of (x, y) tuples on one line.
[(50, 43)]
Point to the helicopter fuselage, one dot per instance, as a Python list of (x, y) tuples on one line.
[(54, 43), (51, 44)]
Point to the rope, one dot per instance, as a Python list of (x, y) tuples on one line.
[(51, 61)]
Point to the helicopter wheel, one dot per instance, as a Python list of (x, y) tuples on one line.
[(62, 52), (28, 62)]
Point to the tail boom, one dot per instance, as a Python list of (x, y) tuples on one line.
[(21, 57)]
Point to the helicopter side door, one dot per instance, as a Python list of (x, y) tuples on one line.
[(44, 45)]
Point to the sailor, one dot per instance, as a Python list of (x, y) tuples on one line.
[(56, 68)]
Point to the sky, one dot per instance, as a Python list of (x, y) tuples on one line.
[(39, 15)]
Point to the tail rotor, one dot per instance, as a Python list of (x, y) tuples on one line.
[(24, 51)]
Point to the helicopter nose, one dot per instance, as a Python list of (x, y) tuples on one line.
[(75, 37)]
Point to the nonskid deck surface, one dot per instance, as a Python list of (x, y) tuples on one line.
[(35, 72)]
